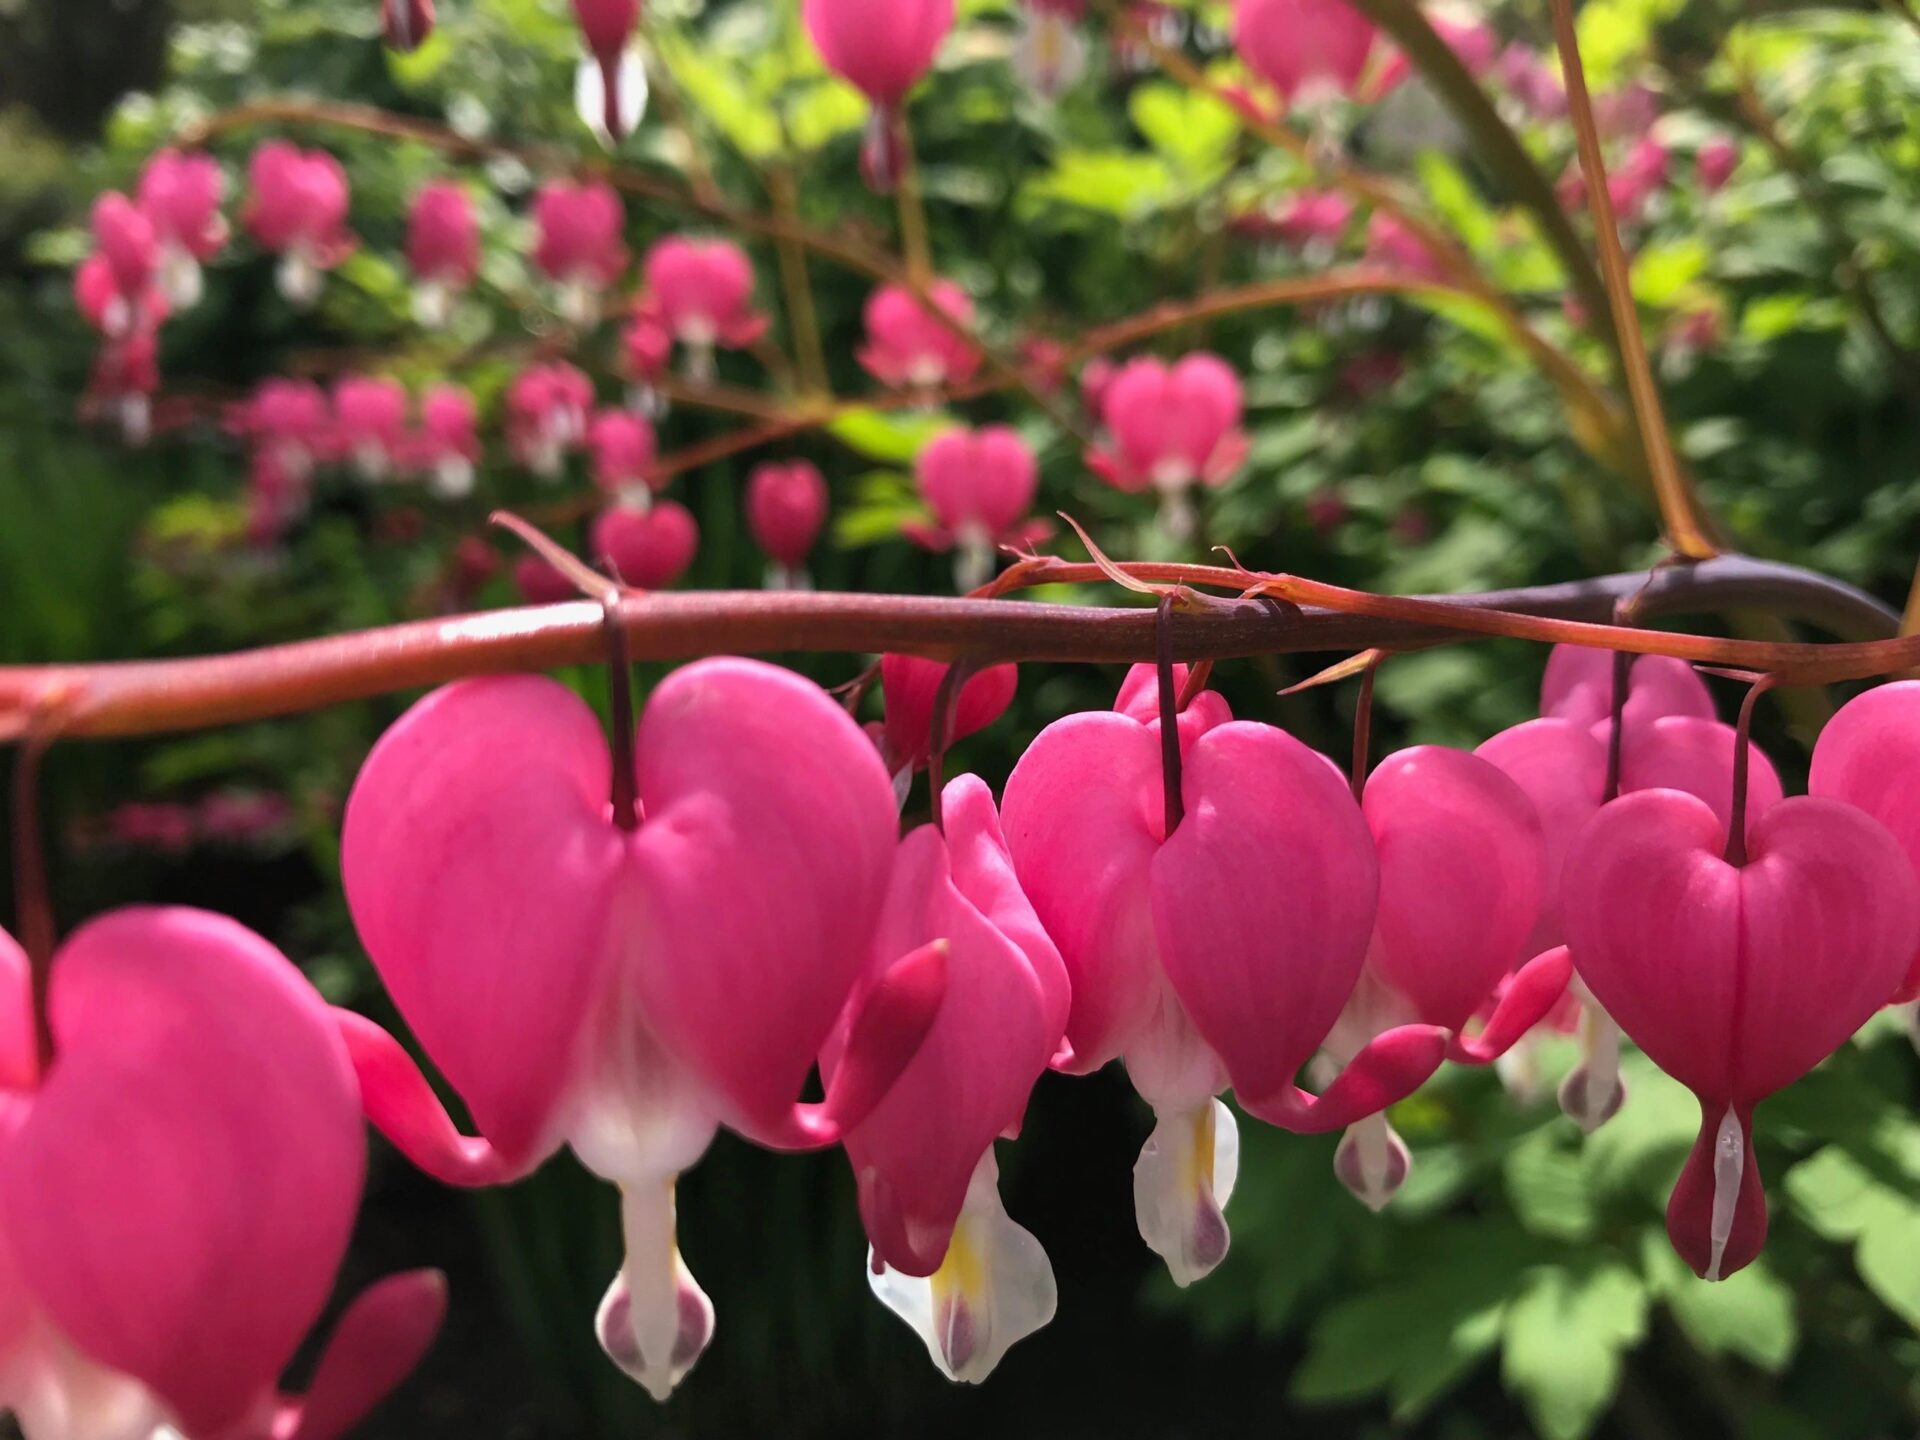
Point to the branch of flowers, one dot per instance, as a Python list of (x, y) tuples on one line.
[(1686, 522), (1383, 194), (1497, 147), (153, 697)]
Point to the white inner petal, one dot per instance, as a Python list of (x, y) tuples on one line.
[(1181, 1184)]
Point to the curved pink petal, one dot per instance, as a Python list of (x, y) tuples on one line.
[(1578, 686), (383, 1334), (497, 792), (1684, 752), (880, 55), (19, 1046), (762, 862), (1462, 878), (1263, 901), (911, 686), (184, 1186), (1390, 1067), (1527, 1000)]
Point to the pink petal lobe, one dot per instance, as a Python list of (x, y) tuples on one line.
[(1696, 1196), (1526, 1001), (1578, 686), (383, 1334), (1388, 1068), (479, 788)]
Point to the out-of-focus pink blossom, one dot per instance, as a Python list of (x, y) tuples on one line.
[(1172, 427), (288, 420), (882, 55), (1314, 219), (118, 288), (447, 447), (979, 484), (547, 408), (540, 584), (1626, 112), (1369, 374), (370, 423), (701, 291), (443, 247), (157, 825), (1533, 83), (405, 24), (277, 495), (121, 387), (624, 448), (907, 347), (1095, 376), (1393, 245), (1327, 511), (580, 245), (649, 549), (611, 94), (1715, 163), (1472, 41), (1308, 50), (297, 208), (786, 506), (1045, 359), (181, 194)]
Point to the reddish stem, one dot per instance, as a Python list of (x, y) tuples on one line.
[(1173, 792), (32, 899), (1616, 729), (946, 701), (626, 780), (1736, 852), (1363, 728)]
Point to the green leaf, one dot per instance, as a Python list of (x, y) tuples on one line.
[(883, 500), (1841, 1197), (1121, 183), (1189, 127), (1751, 1314), (1662, 273), (893, 437), (1564, 1337), (1549, 1187)]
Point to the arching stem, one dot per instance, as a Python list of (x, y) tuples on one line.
[(1742, 763), (1617, 726), (626, 779), (32, 900), (1170, 777), (1363, 727)]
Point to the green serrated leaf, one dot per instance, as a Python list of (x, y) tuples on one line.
[(1563, 1341), (892, 437)]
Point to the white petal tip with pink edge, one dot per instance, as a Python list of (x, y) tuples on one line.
[(1181, 1184)]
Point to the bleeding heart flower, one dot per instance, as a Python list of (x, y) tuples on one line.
[(1194, 956), (443, 247), (117, 287), (448, 445), (645, 348), (626, 990), (1714, 162), (946, 1257), (547, 408), (1869, 757), (907, 348), (1533, 84), (370, 423), (883, 57), (611, 92), (1393, 245), (180, 194), (287, 421), (297, 209), (702, 292), (540, 584), (1462, 878), (580, 245), (786, 506), (1173, 427), (979, 484), (1315, 220), (405, 24), (649, 549), (1578, 686), (1311, 51), (1736, 977), (624, 448), (910, 687), (177, 1192)]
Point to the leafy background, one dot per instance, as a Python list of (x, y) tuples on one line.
[(1522, 1284)]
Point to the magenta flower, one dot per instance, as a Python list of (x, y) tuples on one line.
[(649, 549), (580, 246), (979, 484), (1173, 426), (1393, 245), (645, 348), (1315, 220), (177, 1192), (1194, 956), (547, 408), (370, 424), (611, 93), (1462, 879), (1714, 162), (946, 1257), (1311, 51), (447, 446), (288, 421), (907, 348), (443, 247), (910, 686), (1578, 686), (297, 208), (702, 292), (624, 448), (118, 288), (181, 194), (540, 584), (1736, 973), (1476, 45), (786, 508), (405, 24), (625, 989), (882, 51), (1534, 85), (1868, 756)]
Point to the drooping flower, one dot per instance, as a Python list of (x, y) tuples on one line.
[(177, 1192), (623, 448), (448, 445), (645, 348), (443, 247), (883, 57), (907, 348), (1315, 220), (547, 408), (979, 484), (1194, 955), (702, 293), (649, 549), (946, 1257), (910, 687), (1049, 52), (1533, 84), (297, 208), (1714, 162), (1578, 687), (405, 24), (580, 245), (611, 91), (1309, 50), (1173, 427), (1869, 757), (1394, 245), (117, 287), (370, 424), (786, 507), (181, 194), (1736, 974), (287, 421), (626, 990), (1462, 878)]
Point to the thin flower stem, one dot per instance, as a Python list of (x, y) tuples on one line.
[(915, 244), (1363, 727), (1736, 853), (32, 897), (1679, 507), (802, 316), (626, 780), (1173, 791), (946, 703), (1617, 725), (162, 696)]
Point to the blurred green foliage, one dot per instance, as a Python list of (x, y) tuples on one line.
[(1522, 1283)]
